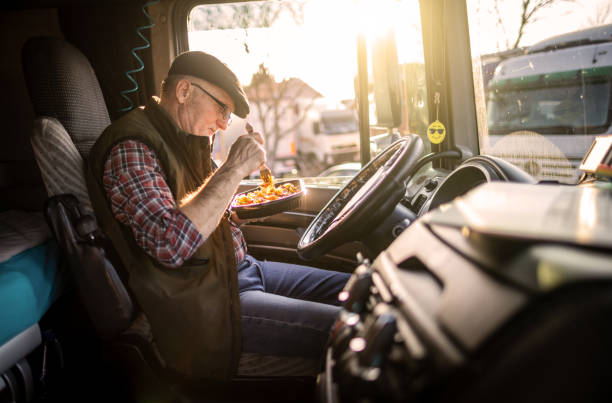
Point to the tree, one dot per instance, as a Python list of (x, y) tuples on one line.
[(603, 11), (529, 13), (280, 107), (244, 16), (530, 10)]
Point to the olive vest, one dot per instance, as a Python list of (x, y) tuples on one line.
[(194, 310)]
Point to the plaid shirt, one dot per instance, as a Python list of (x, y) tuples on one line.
[(141, 199)]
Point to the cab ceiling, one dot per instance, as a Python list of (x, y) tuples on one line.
[(36, 4)]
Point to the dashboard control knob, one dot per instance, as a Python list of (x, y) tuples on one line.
[(357, 290), (379, 338), (343, 331), (431, 184), (419, 202)]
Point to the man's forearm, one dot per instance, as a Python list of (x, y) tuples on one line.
[(208, 205)]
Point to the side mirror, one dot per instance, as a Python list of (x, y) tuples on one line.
[(316, 128), (387, 88)]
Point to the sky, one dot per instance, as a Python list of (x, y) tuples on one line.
[(322, 51), (561, 17)]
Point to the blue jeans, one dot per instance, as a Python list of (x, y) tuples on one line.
[(287, 309)]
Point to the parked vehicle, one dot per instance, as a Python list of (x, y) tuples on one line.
[(346, 169), (546, 107), (333, 137)]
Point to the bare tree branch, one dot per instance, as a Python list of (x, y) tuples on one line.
[(301, 120), (275, 102), (529, 9), (500, 23), (603, 12)]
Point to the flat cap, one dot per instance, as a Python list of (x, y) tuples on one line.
[(207, 67)]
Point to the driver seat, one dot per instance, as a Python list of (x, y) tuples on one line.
[(71, 111)]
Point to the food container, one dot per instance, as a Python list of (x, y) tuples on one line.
[(259, 210)]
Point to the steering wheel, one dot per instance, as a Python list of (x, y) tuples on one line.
[(364, 201)]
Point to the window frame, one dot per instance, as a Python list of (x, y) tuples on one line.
[(448, 65), (449, 47)]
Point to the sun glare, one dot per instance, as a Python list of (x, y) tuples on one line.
[(372, 17), (322, 50)]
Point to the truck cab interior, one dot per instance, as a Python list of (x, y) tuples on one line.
[(481, 258)]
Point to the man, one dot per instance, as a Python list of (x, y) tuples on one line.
[(157, 197)]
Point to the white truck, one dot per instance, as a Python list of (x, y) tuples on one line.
[(329, 137), (558, 95)]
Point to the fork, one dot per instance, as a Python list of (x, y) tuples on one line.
[(264, 171)]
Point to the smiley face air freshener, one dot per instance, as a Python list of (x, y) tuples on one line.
[(436, 132)]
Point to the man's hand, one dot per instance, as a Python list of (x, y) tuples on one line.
[(246, 154), (207, 207)]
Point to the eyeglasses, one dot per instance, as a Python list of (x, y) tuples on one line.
[(225, 110), (432, 131)]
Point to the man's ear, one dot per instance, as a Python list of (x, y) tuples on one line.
[(182, 90)]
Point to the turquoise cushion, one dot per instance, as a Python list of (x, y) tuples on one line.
[(29, 283)]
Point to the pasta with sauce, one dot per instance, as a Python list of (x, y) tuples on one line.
[(266, 193)]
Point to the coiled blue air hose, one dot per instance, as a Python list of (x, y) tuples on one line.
[(129, 73)]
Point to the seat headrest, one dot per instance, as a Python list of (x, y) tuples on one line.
[(62, 84)]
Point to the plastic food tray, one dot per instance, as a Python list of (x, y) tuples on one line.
[(259, 210)]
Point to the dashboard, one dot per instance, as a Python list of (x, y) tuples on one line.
[(493, 296), (430, 187)]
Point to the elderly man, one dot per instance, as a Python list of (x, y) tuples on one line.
[(159, 198)]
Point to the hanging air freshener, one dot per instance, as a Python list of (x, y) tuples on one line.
[(436, 132)]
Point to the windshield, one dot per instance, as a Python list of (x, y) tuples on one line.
[(563, 109), (297, 60), (542, 77), (340, 123)]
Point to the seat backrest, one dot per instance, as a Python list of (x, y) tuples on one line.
[(72, 114), (62, 85)]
